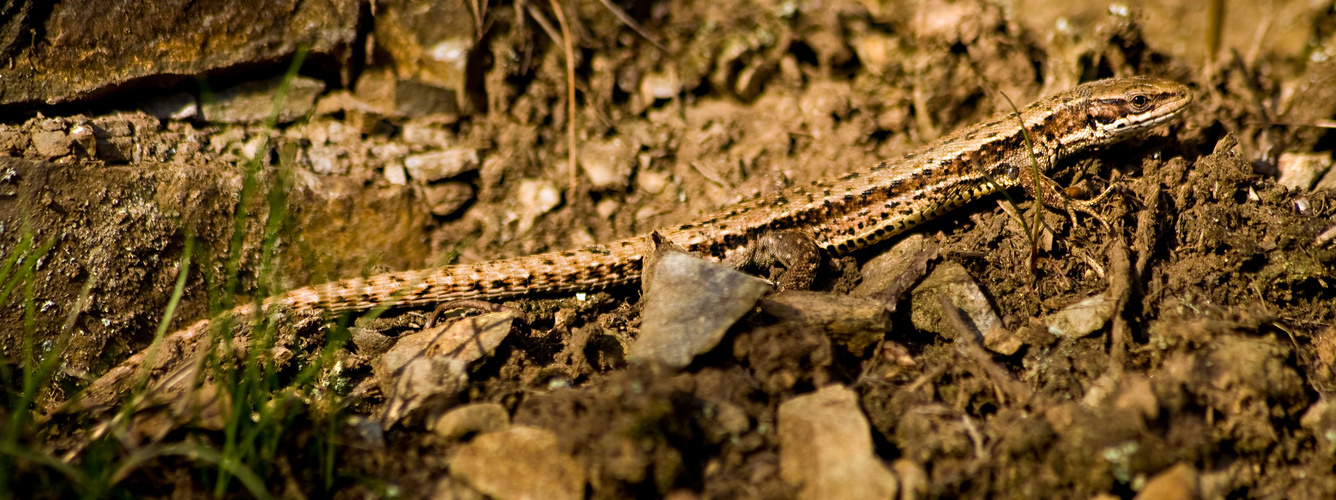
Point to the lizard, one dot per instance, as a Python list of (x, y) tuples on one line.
[(836, 216)]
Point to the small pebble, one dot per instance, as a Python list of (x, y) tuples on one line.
[(437, 165)]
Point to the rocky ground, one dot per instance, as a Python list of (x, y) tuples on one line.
[(158, 166)]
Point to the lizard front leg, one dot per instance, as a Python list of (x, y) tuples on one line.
[(792, 250)]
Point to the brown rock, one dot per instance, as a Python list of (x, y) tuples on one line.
[(430, 44), (471, 419), (854, 322), (1178, 483), (105, 214), (825, 447), (82, 46), (447, 198), (519, 463), (52, 144)]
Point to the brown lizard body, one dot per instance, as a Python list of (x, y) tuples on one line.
[(839, 215), (835, 215)]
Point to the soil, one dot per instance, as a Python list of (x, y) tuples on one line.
[(1219, 355)]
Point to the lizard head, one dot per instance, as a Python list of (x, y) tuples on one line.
[(1118, 108)]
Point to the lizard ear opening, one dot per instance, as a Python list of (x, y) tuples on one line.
[(1103, 113)]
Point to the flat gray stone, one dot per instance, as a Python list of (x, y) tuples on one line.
[(825, 448), (253, 102), (689, 304)]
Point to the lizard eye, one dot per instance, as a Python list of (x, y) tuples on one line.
[(1140, 102)]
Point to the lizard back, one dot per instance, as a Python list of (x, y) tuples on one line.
[(841, 215)]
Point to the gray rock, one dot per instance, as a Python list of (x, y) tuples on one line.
[(437, 165), (471, 419), (888, 276), (689, 304), (519, 463), (253, 102), (825, 448), (433, 363), (952, 280)]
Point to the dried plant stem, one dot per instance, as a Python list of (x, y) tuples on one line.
[(570, 91)]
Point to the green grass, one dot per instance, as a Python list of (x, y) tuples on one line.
[(271, 413)]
